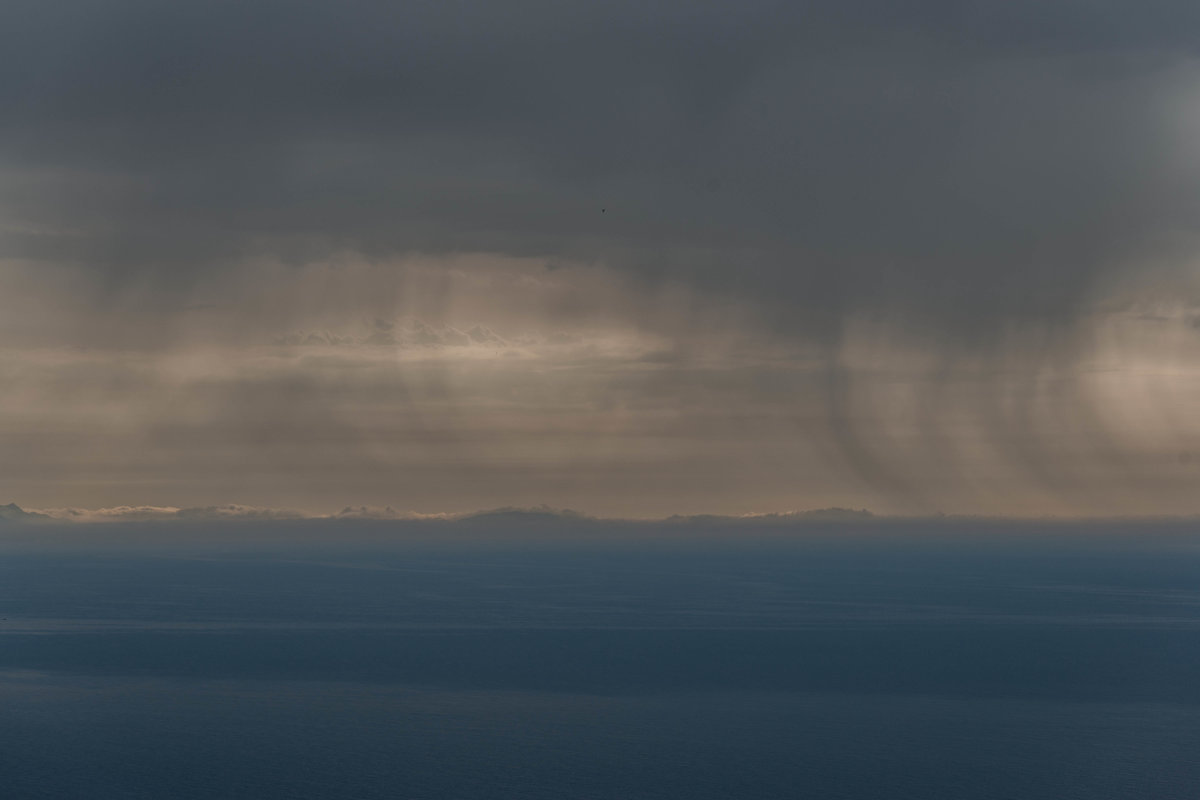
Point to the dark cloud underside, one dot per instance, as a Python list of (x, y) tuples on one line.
[(969, 162)]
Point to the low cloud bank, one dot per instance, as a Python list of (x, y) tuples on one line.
[(12, 513), (167, 513), (812, 515), (242, 513)]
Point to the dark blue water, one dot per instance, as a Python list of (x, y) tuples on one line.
[(369, 661)]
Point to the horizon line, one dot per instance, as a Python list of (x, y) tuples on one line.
[(233, 513)]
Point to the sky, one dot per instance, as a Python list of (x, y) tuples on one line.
[(629, 258)]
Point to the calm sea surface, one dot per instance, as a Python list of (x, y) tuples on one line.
[(558, 659)]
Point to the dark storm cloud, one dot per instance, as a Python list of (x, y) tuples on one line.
[(968, 161), (925, 200)]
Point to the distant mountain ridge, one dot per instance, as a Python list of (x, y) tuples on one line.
[(535, 515), (14, 513), (814, 515)]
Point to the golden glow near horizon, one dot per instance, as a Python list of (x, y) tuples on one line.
[(521, 386)]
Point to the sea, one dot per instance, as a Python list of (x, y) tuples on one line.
[(534, 656)]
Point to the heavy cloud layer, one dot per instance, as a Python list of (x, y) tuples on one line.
[(968, 161), (944, 252)]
